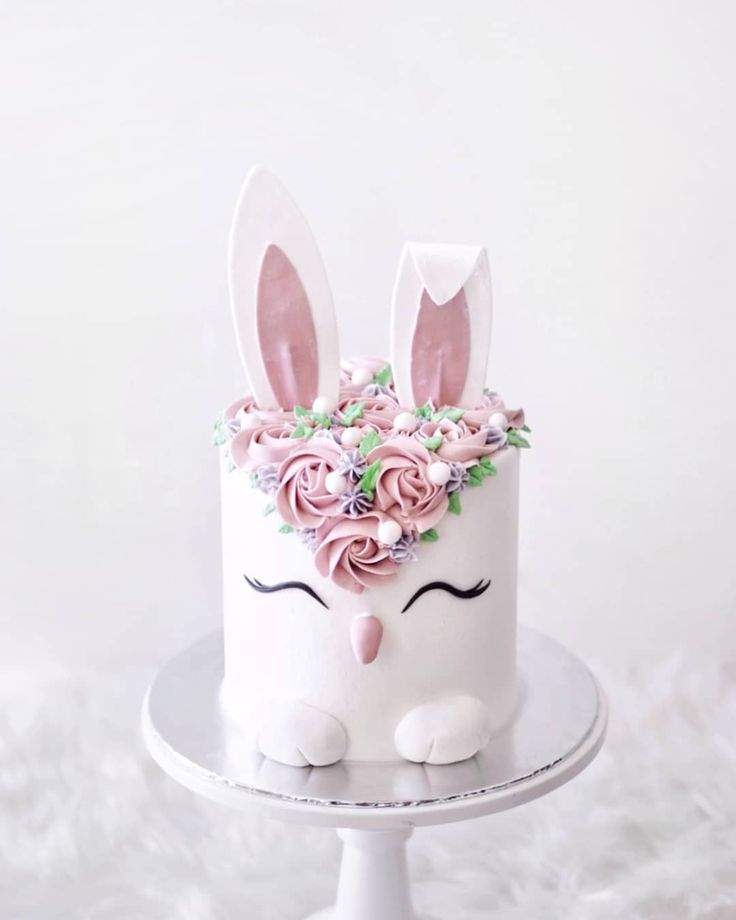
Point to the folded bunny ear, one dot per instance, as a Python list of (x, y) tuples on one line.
[(281, 300), (441, 325)]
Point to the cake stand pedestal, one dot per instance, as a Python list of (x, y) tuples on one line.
[(558, 728)]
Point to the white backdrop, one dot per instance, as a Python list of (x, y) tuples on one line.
[(589, 146)]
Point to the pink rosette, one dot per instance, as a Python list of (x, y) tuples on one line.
[(349, 552), (268, 443), (460, 442), (403, 489), (378, 411), (247, 403), (491, 403), (302, 499)]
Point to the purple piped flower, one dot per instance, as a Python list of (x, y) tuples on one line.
[(376, 389), (352, 465), (308, 536), (458, 478), (354, 502), (330, 433), (404, 549), (267, 478), (495, 437)]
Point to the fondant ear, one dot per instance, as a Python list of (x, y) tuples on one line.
[(441, 325), (281, 300)]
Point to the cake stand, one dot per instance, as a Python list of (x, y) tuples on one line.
[(557, 730)]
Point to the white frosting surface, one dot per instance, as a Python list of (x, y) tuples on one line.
[(286, 647)]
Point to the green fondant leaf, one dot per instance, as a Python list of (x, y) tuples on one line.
[(320, 419), (448, 412), (253, 479), (301, 431), (353, 414), (488, 468), (369, 441), (515, 439), (434, 442), (455, 503), (475, 475), (384, 376), (367, 481), (269, 509), (300, 411), (424, 411), (525, 428), (286, 528), (429, 536)]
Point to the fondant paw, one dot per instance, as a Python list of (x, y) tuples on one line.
[(443, 731), (300, 735)]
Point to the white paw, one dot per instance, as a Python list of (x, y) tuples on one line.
[(443, 731), (300, 735)]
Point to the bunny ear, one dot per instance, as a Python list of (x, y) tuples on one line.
[(441, 325), (281, 300)]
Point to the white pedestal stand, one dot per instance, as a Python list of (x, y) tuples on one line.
[(558, 729)]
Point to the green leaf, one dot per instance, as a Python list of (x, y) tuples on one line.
[(369, 441), (515, 439), (429, 536), (320, 420), (384, 376), (424, 411), (300, 411), (455, 503), (434, 442), (269, 509), (253, 477), (302, 430), (525, 428), (367, 482), (488, 468), (475, 475), (353, 414), (450, 412), (286, 528)]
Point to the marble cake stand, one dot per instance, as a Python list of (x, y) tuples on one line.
[(558, 729)]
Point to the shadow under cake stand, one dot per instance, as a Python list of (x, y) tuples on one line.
[(558, 728)]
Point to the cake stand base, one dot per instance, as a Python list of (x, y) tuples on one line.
[(557, 730)]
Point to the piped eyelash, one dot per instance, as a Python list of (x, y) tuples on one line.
[(463, 593), (284, 586)]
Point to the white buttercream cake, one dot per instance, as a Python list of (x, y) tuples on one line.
[(369, 509)]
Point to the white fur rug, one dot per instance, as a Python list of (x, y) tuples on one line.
[(92, 830)]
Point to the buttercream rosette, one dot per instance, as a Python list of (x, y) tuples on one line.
[(302, 499), (350, 553), (271, 442)]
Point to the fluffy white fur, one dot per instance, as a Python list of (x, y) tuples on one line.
[(92, 830)]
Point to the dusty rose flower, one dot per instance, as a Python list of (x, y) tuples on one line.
[(268, 443), (378, 411), (350, 553), (302, 499), (460, 443), (492, 402), (403, 489)]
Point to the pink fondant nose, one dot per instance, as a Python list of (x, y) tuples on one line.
[(365, 635)]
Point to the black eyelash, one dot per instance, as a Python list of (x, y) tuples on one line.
[(475, 591), (284, 586)]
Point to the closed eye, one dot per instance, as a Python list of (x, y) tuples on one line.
[(464, 593), (284, 586)]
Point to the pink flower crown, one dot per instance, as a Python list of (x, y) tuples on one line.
[(362, 480)]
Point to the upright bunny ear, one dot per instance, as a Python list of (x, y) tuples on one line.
[(281, 300), (441, 325)]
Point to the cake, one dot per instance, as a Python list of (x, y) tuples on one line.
[(369, 509)]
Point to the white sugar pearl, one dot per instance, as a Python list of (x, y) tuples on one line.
[(389, 532), (498, 420), (405, 421), (324, 405), (248, 419), (336, 483), (351, 437), (439, 473), (361, 377)]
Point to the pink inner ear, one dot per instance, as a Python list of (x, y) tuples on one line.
[(286, 333), (440, 350)]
